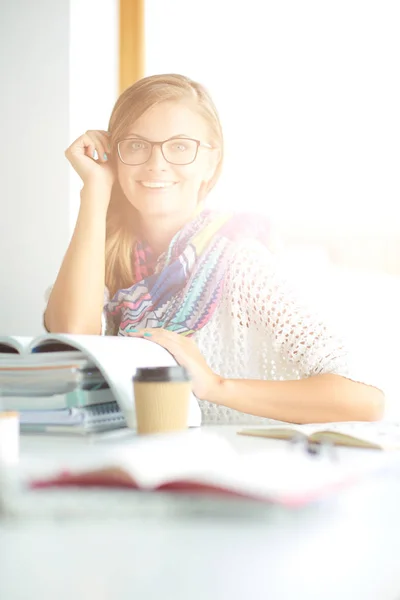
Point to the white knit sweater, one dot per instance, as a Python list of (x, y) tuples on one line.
[(262, 330)]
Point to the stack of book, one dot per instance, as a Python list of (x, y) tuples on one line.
[(58, 392), (77, 383)]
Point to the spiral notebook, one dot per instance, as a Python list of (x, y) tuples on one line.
[(75, 420), (36, 364)]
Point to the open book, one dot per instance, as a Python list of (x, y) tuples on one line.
[(200, 462), (117, 358), (379, 435)]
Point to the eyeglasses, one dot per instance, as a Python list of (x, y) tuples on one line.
[(177, 151)]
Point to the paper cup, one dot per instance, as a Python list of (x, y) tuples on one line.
[(162, 398)]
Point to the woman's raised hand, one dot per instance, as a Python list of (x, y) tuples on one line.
[(90, 157)]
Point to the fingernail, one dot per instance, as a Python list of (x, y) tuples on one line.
[(105, 157), (147, 334), (95, 155), (132, 330)]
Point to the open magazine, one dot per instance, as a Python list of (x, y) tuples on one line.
[(198, 462), (116, 357), (360, 434)]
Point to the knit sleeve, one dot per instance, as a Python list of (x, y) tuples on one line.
[(264, 299)]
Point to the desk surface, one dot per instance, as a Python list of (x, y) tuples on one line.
[(119, 545)]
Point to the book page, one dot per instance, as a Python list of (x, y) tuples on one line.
[(291, 478), (280, 432), (185, 455), (196, 461), (14, 342), (381, 434), (148, 462), (118, 357)]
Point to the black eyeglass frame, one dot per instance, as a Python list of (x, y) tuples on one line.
[(199, 144)]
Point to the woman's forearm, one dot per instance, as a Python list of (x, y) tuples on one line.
[(76, 301), (317, 399)]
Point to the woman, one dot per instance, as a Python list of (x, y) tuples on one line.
[(200, 283)]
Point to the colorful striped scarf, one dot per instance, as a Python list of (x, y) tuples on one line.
[(181, 289)]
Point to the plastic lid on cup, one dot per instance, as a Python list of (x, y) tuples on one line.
[(161, 374)]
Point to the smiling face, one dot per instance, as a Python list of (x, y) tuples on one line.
[(158, 188)]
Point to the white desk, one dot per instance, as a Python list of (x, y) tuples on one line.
[(120, 545)]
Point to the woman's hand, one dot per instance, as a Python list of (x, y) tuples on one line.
[(186, 353), (90, 157)]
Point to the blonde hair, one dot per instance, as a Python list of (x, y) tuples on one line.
[(122, 217)]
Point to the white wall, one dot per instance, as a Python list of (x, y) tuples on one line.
[(34, 197), (58, 78), (93, 74)]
